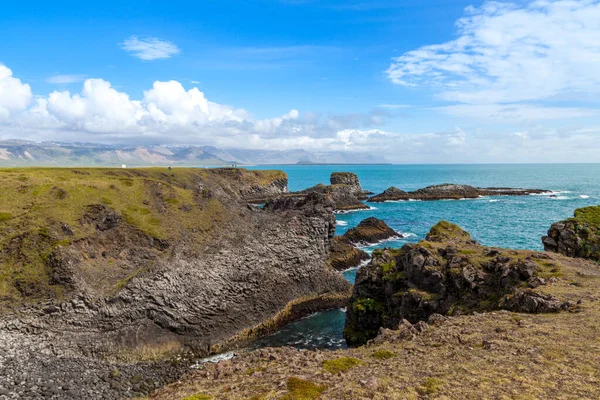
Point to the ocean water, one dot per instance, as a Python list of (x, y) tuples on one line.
[(509, 221)]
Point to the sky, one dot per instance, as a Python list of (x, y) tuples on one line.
[(439, 81)]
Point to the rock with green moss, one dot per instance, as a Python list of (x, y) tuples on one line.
[(449, 273), (369, 231), (578, 236)]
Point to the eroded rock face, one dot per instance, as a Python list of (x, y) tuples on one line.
[(345, 193), (369, 231), (448, 274), (576, 237), (349, 179), (449, 191), (344, 255), (128, 295)]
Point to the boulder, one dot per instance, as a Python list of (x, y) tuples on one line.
[(369, 231)]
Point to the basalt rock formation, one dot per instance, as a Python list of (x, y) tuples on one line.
[(345, 192), (349, 179), (137, 265), (578, 236), (369, 231), (344, 255), (449, 192), (449, 273), (530, 352)]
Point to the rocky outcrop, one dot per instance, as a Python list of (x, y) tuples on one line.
[(576, 237), (349, 179), (447, 274), (345, 255), (369, 231), (449, 192), (171, 263), (345, 192)]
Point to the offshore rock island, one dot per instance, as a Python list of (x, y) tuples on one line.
[(449, 191)]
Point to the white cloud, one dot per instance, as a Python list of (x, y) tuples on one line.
[(169, 113), (509, 54), (14, 95), (150, 48), (64, 79), (517, 112)]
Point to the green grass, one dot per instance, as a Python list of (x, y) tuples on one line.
[(383, 354), (198, 396), (588, 215), (367, 305), (5, 216), (300, 389), (35, 203), (430, 386), (445, 230), (340, 365)]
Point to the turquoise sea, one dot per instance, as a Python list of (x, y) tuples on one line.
[(515, 222)]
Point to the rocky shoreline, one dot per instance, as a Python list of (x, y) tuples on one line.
[(445, 317), (121, 279)]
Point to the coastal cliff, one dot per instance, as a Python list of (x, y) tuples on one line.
[(578, 236), (516, 324), (139, 265)]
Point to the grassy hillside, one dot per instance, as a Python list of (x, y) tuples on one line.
[(43, 210)]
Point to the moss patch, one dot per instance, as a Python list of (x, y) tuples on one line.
[(300, 389), (340, 365), (198, 397), (430, 386), (588, 215), (5, 216), (383, 354)]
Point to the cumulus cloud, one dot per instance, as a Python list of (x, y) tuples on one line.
[(513, 55), (166, 113), (169, 113), (150, 48), (14, 95)]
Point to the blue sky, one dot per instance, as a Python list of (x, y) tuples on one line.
[(450, 80)]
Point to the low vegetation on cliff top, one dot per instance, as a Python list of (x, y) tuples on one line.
[(44, 208), (589, 215)]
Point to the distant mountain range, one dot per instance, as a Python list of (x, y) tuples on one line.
[(26, 153)]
